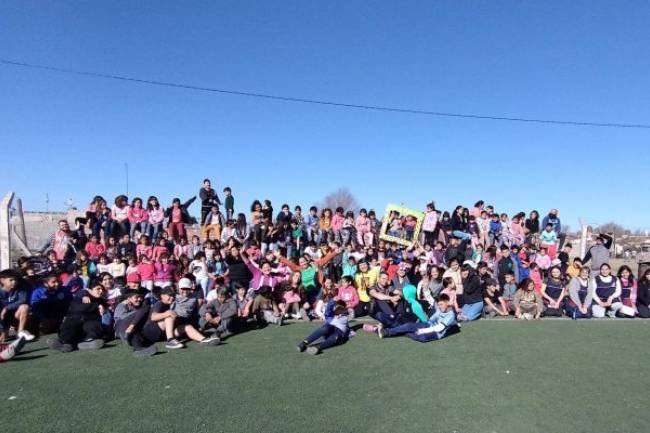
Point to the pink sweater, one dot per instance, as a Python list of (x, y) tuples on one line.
[(348, 295), (138, 215), (337, 222), (363, 224), (146, 271)]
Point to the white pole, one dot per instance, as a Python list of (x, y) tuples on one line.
[(583, 238), (5, 233)]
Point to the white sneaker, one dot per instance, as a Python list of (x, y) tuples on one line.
[(28, 336)]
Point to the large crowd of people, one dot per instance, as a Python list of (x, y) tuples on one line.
[(141, 273)]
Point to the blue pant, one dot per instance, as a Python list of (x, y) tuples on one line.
[(406, 328), (462, 235), (388, 313), (573, 312), (330, 334), (473, 311)]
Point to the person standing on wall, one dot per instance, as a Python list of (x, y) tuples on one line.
[(209, 198)]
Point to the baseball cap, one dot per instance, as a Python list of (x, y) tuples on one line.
[(185, 283)]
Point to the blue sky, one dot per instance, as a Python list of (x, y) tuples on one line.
[(69, 136)]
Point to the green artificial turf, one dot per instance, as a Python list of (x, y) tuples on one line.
[(495, 376)]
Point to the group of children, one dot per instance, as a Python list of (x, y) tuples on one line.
[(123, 273)]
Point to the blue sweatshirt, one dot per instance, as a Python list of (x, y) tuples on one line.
[(44, 299), (447, 318), (14, 299)]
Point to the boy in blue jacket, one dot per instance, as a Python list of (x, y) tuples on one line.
[(14, 305), (49, 304)]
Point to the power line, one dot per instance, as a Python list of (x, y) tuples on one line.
[(322, 102)]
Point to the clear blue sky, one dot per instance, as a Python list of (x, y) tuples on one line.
[(69, 136)]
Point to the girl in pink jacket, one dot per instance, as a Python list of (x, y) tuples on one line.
[(138, 217), (364, 229), (348, 294)]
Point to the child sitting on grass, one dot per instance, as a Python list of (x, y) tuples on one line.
[(333, 333)]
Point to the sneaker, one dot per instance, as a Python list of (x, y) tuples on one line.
[(92, 344), (369, 327), (313, 350), (302, 346), (28, 336), (55, 344), (18, 345), (8, 352), (527, 316), (210, 341), (296, 316), (382, 332), (280, 321), (174, 344), (304, 316), (145, 352)]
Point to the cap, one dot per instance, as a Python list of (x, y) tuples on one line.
[(133, 277), (185, 283), (469, 263)]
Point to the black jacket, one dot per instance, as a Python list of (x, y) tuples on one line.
[(472, 290), (209, 197), (185, 215)]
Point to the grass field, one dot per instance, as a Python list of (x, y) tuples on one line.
[(495, 376)]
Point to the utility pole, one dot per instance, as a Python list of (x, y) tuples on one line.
[(126, 170)]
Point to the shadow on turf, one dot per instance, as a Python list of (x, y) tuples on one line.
[(27, 358)]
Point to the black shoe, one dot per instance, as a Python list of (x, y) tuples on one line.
[(91, 344), (382, 332), (55, 344), (145, 352), (301, 347)]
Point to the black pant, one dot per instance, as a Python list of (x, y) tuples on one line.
[(77, 329), (205, 210), (151, 333), (429, 238), (138, 320), (643, 310), (362, 309)]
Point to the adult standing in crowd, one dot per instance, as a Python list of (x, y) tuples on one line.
[(62, 242), (209, 198), (599, 253), (555, 221)]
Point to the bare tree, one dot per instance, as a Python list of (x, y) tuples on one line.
[(342, 197), (612, 227)]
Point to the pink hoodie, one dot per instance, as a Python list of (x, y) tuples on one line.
[(349, 295), (337, 222), (138, 215), (363, 224)]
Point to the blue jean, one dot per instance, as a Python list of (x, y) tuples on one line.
[(138, 227), (462, 235), (330, 334), (152, 230), (473, 311), (388, 313), (406, 328)]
